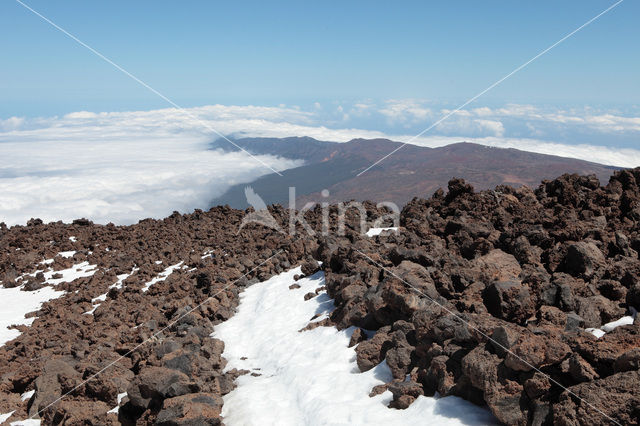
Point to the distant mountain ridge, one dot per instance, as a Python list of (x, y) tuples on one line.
[(412, 171)]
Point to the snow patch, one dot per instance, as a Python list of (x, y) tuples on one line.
[(91, 311), (116, 409), (69, 253), (99, 299), (5, 417), (162, 276), (610, 326), (27, 422), (596, 332), (81, 270), (122, 277), (311, 377), (73, 239), (18, 303), (372, 232), (118, 284), (27, 395)]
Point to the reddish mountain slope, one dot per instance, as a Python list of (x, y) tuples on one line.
[(411, 171)]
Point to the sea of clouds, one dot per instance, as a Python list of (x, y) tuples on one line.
[(117, 168), (121, 167)]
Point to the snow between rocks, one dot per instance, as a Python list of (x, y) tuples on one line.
[(372, 232), (311, 377), (17, 303), (161, 276)]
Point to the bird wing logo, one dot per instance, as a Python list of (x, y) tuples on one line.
[(254, 199), (260, 214)]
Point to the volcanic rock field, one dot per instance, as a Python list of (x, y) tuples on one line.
[(520, 301)]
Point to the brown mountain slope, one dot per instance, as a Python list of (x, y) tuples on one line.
[(411, 171)]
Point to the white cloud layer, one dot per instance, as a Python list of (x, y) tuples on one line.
[(405, 111), (124, 166), (118, 167)]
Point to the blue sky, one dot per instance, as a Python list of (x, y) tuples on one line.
[(78, 138), (271, 53)]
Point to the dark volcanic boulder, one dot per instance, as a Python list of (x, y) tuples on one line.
[(154, 384), (404, 393), (503, 338), (458, 187), (416, 277), (371, 352), (509, 300), (633, 296), (600, 401), (190, 410), (583, 259), (628, 361), (58, 377), (534, 351), (499, 266), (310, 267), (71, 412)]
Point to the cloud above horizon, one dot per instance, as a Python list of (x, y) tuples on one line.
[(124, 166), (118, 169)]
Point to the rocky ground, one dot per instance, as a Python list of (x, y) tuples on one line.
[(482, 295), (487, 296), (175, 378)]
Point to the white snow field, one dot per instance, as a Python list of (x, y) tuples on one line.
[(311, 377)]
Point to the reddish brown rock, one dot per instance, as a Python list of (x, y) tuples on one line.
[(536, 351), (357, 337), (192, 409), (509, 300), (583, 259), (372, 352), (310, 267), (600, 401), (404, 393), (499, 266), (74, 412)]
